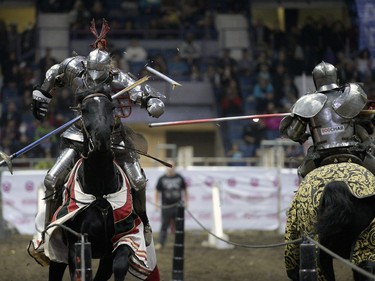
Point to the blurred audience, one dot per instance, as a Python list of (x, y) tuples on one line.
[(262, 80), (236, 155), (135, 53), (190, 51), (252, 135), (45, 63)]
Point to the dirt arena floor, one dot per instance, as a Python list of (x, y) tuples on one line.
[(200, 263)]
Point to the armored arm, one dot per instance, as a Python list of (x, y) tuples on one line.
[(42, 94), (145, 97), (294, 127)]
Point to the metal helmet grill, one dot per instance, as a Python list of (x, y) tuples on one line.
[(325, 76), (98, 64)]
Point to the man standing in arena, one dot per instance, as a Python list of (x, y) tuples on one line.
[(172, 188)]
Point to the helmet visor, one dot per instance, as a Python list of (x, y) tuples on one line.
[(97, 74)]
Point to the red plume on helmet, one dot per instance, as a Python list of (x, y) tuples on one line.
[(100, 42)]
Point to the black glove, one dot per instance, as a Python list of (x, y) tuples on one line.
[(41, 99)]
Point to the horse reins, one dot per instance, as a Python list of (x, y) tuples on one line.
[(91, 144)]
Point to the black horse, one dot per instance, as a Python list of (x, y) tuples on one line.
[(335, 205), (97, 175)]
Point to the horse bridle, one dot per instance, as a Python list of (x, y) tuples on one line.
[(91, 143)]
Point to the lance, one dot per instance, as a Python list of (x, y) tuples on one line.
[(163, 76), (233, 118), (221, 119), (7, 159)]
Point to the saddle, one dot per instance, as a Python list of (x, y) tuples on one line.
[(334, 159)]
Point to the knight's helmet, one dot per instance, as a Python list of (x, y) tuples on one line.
[(98, 62), (325, 77), (98, 65)]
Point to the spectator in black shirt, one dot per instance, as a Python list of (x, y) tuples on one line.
[(172, 189)]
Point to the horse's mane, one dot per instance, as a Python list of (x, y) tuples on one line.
[(336, 202)]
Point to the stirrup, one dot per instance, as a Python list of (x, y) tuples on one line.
[(36, 251)]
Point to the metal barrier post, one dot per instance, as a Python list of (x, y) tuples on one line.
[(308, 263), (178, 252), (83, 260)]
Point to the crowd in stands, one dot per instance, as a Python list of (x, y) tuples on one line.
[(260, 81)]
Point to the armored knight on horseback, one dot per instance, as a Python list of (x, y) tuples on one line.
[(332, 117), (92, 74)]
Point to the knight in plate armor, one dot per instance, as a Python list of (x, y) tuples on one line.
[(332, 116), (86, 75)]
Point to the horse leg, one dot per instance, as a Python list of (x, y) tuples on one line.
[(121, 262), (326, 266), (104, 271), (56, 271)]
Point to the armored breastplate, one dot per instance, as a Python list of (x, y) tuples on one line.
[(82, 88), (329, 129)]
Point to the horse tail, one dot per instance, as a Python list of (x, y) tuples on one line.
[(336, 210)]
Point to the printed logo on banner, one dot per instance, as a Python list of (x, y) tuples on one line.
[(29, 186), (254, 182), (9, 202), (204, 215), (232, 182), (207, 197), (209, 181), (30, 201), (275, 182), (230, 215), (192, 197), (248, 215), (7, 186), (234, 196)]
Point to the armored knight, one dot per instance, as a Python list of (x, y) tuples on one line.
[(332, 117), (83, 76)]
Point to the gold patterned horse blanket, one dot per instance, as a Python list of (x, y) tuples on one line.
[(303, 211)]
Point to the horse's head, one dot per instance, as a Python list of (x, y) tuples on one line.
[(97, 122)]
